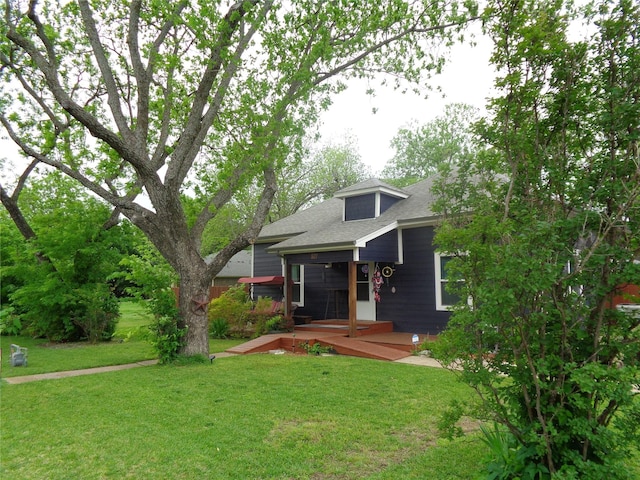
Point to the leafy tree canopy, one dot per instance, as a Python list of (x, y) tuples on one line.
[(421, 149), (545, 228), (59, 283), (164, 98)]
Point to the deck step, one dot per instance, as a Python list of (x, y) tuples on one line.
[(340, 343), (260, 344), (358, 348)]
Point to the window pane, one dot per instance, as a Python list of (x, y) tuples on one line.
[(295, 273), (363, 292), (443, 267), (449, 299), (362, 273), (295, 296)]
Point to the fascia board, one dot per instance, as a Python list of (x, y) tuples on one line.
[(362, 242), (376, 189)]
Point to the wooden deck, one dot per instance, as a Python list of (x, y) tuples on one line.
[(399, 340), (375, 340), (364, 327)]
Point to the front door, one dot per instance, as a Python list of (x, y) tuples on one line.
[(366, 305)]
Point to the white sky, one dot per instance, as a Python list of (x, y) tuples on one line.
[(467, 78)]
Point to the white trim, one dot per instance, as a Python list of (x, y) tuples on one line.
[(301, 282), (366, 309), (439, 282), (299, 303), (420, 222), (374, 189), (362, 241), (307, 249)]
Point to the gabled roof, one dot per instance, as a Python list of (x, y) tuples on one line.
[(238, 266), (368, 186), (321, 227)]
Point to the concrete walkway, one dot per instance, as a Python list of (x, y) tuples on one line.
[(421, 360), (76, 373), (412, 360)]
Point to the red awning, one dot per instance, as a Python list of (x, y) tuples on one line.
[(273, 280)]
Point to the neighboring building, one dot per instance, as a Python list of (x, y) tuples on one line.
[(368, 247), (239, 266)]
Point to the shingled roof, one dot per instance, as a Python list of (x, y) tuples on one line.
[(322, 227)]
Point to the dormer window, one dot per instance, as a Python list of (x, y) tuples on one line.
[(362, 206), (368, 199)]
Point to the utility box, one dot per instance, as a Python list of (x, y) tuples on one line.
[(18, 356)]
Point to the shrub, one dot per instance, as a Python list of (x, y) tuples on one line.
[(58, 311), (244, 318), (219, 328), (315, 348), (264, 304), (509, 459), (98, 312), (166, 338), (10, 323), (233, 306)]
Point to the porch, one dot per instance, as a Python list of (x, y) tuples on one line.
[(374, 340)]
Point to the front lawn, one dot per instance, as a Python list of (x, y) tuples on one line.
[(127, 346), (244, 417)]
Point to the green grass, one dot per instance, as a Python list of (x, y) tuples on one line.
[(244, 417), (127, 346)]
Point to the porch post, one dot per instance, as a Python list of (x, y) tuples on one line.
[(288, 288), (353, 299)]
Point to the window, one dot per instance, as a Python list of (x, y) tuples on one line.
[(362, 282), (297, 277), (444, 299)]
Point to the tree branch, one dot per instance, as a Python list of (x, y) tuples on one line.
[(113, 97), (199, 121)]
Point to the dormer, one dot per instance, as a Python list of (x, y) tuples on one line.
[(368, 199)]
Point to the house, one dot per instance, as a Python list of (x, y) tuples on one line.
[(237, 267), (365, 254)]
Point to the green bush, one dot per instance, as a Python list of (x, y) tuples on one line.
[(264, 304), (219, 328), (59, 311), (315, 348), (166, 338), (263, 322), (10, 323), (98, 312), (509, 459), (233, 306), (244, 319)]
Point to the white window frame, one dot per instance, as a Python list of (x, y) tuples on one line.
[(300, 282), (437, 256)]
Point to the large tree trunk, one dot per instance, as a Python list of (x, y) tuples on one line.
[(193, 304)]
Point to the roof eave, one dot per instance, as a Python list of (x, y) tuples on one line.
[(333, 247), (362, 242), (420, 222)]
